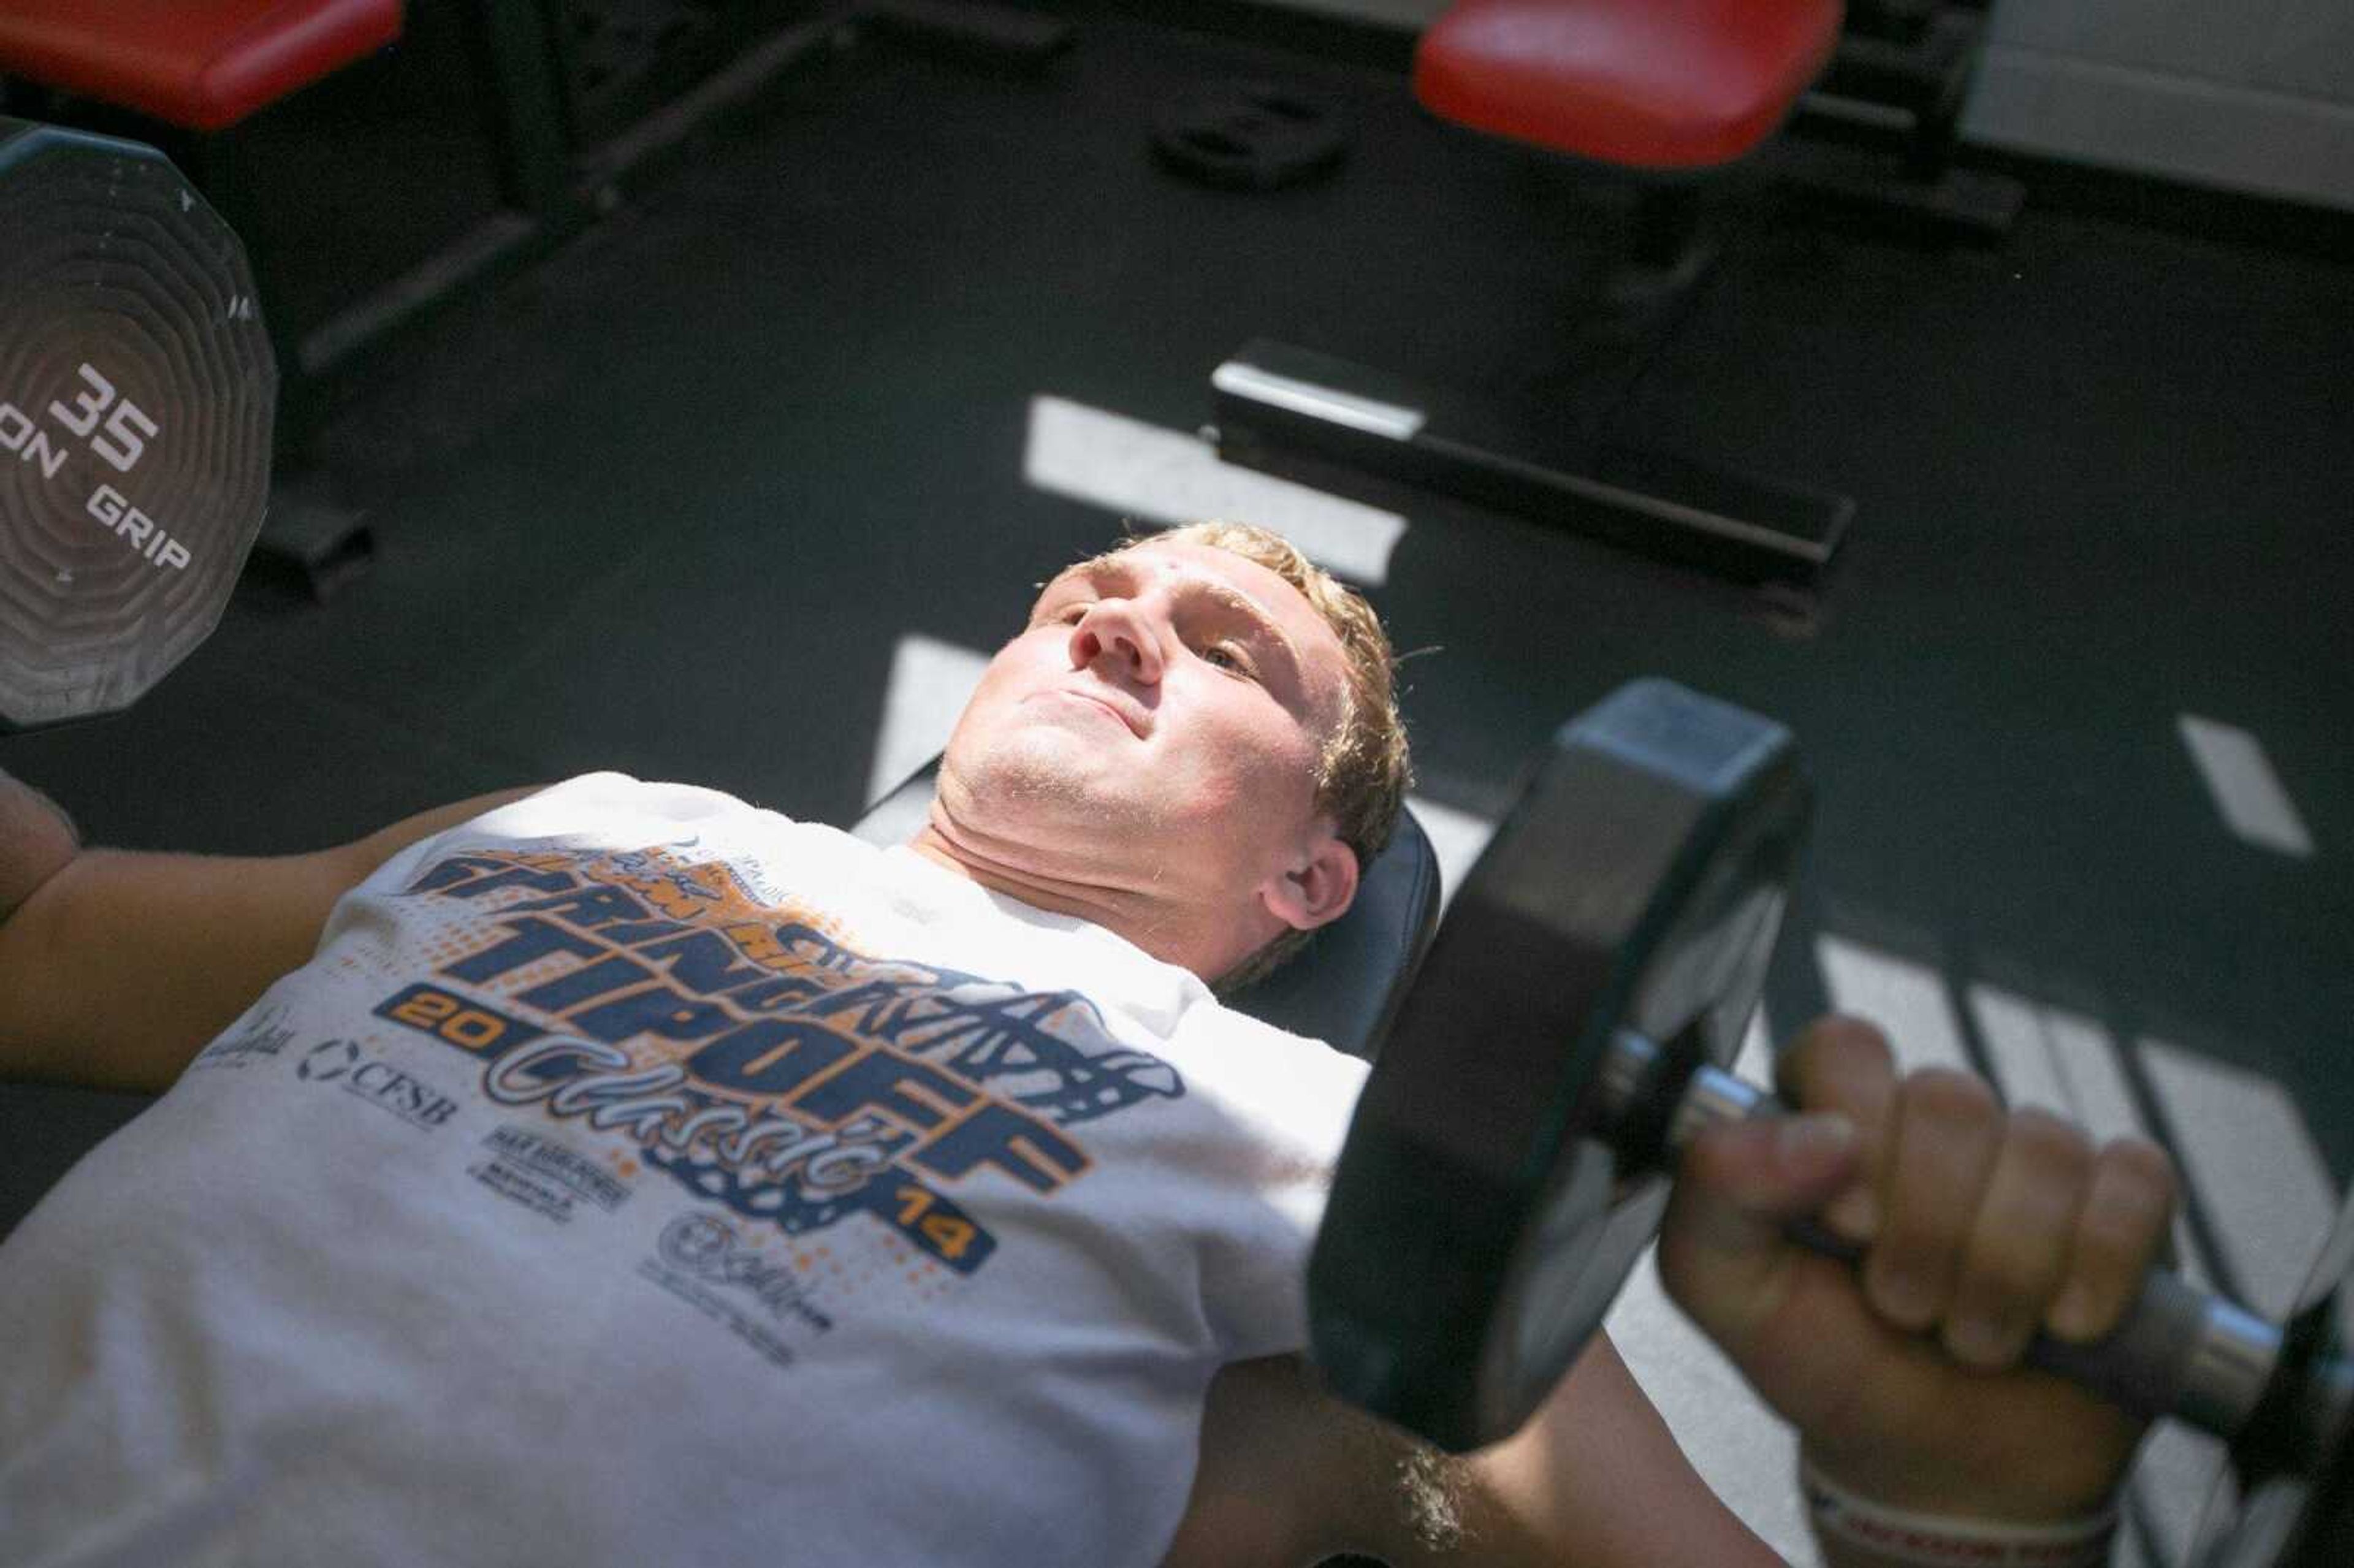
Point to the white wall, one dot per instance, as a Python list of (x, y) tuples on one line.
[(2254, 95), (2247, 94)]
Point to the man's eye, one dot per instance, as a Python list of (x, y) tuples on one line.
[(1225, 656)]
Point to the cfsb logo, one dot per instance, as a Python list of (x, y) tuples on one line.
[(343, 1064)]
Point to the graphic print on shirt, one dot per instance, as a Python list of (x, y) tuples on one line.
[(752, 1056)]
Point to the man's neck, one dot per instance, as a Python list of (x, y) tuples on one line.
[(1142, 911)]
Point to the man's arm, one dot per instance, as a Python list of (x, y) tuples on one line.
[(1288, 1475), (1907, 1398), (117, 966)]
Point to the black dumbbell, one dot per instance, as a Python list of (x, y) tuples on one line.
[(1512, 1153), (137, 391)]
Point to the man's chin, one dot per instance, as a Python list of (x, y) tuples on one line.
[(1043, 776)]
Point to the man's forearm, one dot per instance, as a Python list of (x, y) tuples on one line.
[(1289, 1474), (1596, 1474)]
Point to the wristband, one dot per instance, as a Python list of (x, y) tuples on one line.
[(1933, 1540)]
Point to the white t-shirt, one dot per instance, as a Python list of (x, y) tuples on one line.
[(636, 1177)]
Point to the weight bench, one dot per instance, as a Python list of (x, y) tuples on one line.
[(1663, 93), (201, 65), (1344, 989)]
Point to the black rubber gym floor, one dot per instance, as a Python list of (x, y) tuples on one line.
[(668, 502)]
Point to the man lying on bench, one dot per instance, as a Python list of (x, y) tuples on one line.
[(617, 1173)]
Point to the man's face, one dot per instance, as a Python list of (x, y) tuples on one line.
[(1159, 723)]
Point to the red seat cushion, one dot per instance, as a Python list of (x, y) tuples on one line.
[(201, 64), (1658, 84)]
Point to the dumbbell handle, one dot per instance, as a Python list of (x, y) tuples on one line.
[(2179, 1352)]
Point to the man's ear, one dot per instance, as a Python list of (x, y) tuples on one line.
[(1318, 888)]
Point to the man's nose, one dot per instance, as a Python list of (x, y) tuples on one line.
[(1121, 631)]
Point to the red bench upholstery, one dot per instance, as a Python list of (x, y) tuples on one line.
[(1649, 84), (203, 65)]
